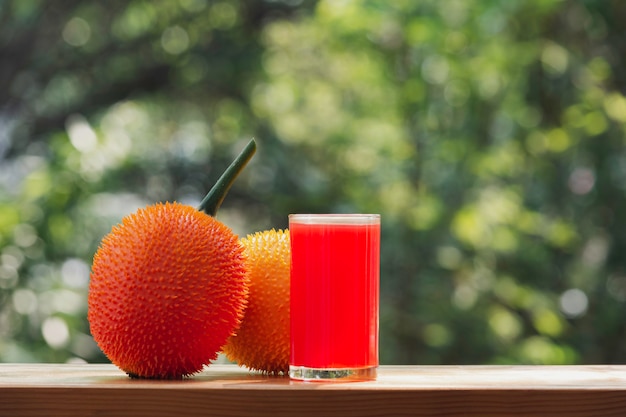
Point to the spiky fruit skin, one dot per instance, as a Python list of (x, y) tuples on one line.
[(168, 287), (262, 341)]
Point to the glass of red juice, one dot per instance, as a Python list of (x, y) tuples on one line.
[(335, 269)]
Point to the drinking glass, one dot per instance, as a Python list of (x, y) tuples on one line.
[(335, 263)]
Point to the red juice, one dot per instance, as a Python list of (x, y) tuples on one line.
[(334, 294)]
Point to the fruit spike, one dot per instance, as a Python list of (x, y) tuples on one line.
[(213, 200)]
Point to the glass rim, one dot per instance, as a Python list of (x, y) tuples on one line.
[(335, 218)]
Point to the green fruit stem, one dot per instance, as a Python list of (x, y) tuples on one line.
[(213, 200)]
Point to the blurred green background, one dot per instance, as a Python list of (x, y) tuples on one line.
[(489, 135)]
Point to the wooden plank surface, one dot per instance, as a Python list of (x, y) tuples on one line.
[(227, 390)]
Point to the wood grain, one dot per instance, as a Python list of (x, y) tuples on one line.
[(226, 390)]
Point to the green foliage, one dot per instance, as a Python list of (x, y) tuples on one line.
[(488, 134)]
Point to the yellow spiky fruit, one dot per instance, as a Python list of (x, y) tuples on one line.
[(262, 341)]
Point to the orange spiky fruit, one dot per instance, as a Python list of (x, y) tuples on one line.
[(262, 341), (168, 286), (167, 289)]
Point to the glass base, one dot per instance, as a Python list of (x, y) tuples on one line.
[(302, 373)]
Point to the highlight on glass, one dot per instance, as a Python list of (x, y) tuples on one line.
[(334, 304)]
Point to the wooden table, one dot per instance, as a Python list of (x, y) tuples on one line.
[(226, 390)]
